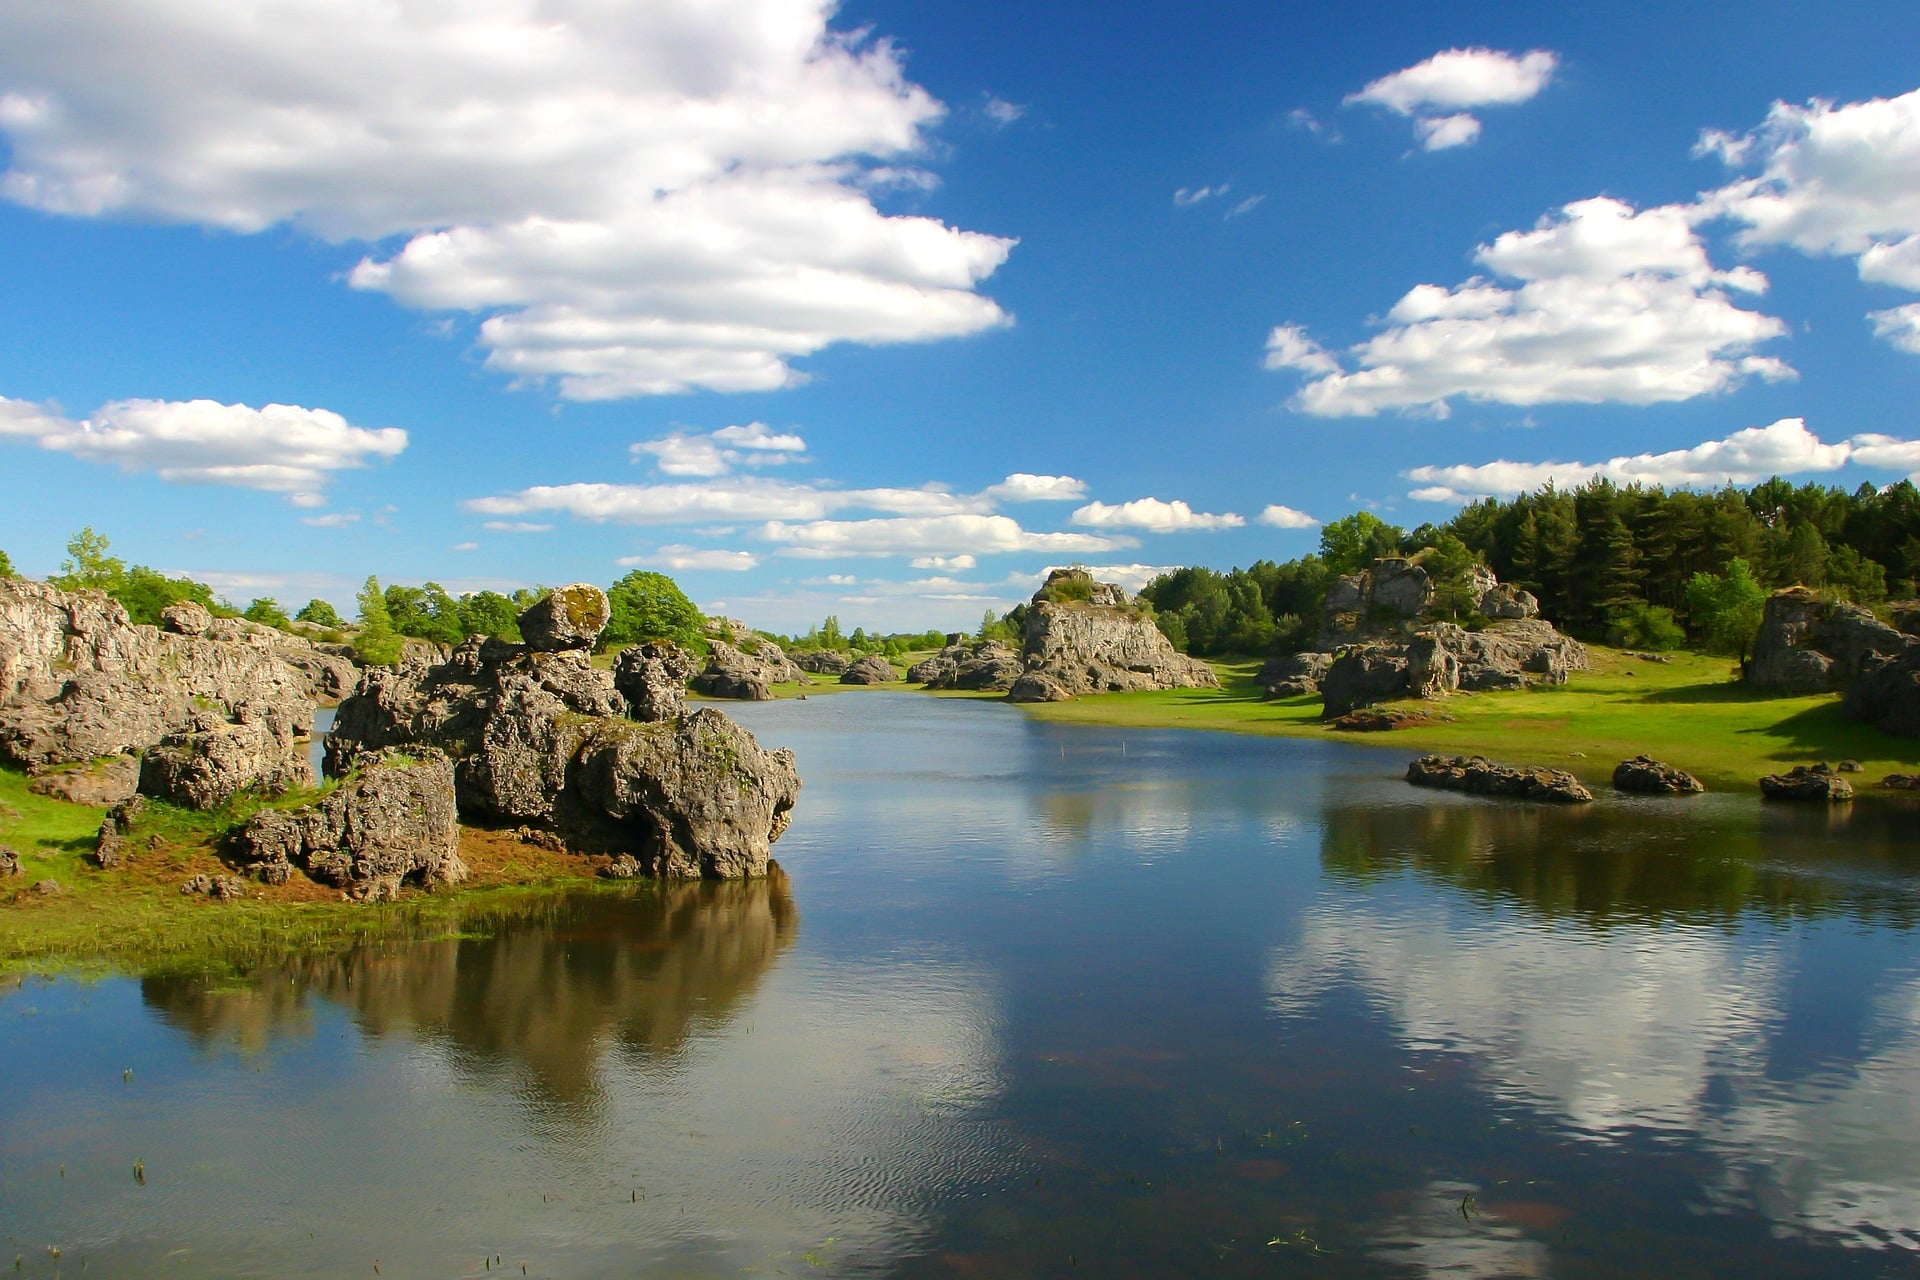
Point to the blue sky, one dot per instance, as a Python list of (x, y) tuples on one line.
[(881, 311)]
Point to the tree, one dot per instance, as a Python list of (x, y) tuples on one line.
[(488, 613), (1449, 565), (267, 611), (1726, 609), (376, 642), (1354, 542), (319, 613), (6, 566), (88, 567), (1645, 626), (831, 637), (650, 606)]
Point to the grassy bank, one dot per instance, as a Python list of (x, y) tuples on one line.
[(1689, 712)]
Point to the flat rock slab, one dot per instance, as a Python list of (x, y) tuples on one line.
[(1481, 776)]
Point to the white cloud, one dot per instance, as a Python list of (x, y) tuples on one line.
[(1153, 515), (736, 498), (1306, 122), (1783, 448), (516, 526), (641, 200), (959, 563), (1833, 180), (1437, 92), (1131, 577), (678, 558), (922, 536), (1438, 133), (1285, 518), (332, 520), (1186, 196), (717, 453), (1024, 487), (1899, 325), (280, 448), (1611, 305), (465, 546), (1002, 112), (1245, 207)]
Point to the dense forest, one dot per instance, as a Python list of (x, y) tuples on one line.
[(1632, 565)]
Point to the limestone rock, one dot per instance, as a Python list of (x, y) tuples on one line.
[(110, 846), (1444, 658), (568, 618), (1886, 693), (872, 669), (207, 765), (393, 822), (1810, 645), (48, 888), (9, 862), (186, 618), (1361, 676), (1097, 645), (624, 867), (104, 783), (653, 677), (1385, 719), (1294, 675), (826, 662), (1647, 776), (1902, 781), (219, 888), (983, 665), (738, 674), (1481, 776), (1806, 782), (1504, 603)]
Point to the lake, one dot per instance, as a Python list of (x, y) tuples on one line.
[(1041, 1000)]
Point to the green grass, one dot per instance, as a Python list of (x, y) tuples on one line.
[(1690, 713)]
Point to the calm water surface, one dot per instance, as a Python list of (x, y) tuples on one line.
[(1044, 1000)]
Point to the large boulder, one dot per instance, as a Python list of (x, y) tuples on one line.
[(981, 665), (1886, 693), (541, 739), (1647, 776), (1085, 637), (825, 662), (1362, 675), (206, 765), (872, 669), (742, 675), (103, 783), (1806, 782), (1445, 658), (1294, 675), (393, 822), (653, 677), (568, 618), (1810, 645), (78, 680), (186, 618), (1481, 776)]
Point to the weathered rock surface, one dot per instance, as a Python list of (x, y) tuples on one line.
[(1445, 658), (1386, 719), (1647, 776), (825, 662), (186, 618), (736, 673), (110, 846), (1294, 675), (1806, 782), (219, 888), (393, 822), (872, 669), (1360, 676), (982, 665), (1100, 644), (569, 618), (103, 783), (1481, 776), (1902, 781), (1886, 693), (9, 861), (653, 679), (79, 681), (541, 738), (206, 765), (1810, 645)]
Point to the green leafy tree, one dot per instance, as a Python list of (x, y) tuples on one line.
[(376, 642), (488, 613), (88, 567), (6, 566), (1726, 608), (1449, 565), (1645, 626), (1354, 542), (267, 611), (650, 606), (320, 614)]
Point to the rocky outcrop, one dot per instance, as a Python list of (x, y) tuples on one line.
[(1445, 658), (872, 669), (1386, 719), (219, 888), (393, 822), (1806, 782), (738, 674), (186, 618), (9, 862), (1810, 645), (1294, 675), (1481, 776), (825, 662), (1397, 593), (102, 783), (110, 845), (216, 758), (541, 738), (1647, 776), (653, 679), (1886, 693), (79, 681), (1084, 637), (1901, 781), (569, 618), (985, 666)]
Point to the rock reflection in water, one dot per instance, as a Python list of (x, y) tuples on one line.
[(548, 989)]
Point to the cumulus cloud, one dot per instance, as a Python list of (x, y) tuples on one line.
[(280, 448), (736, 498), (1152, 515), (1784, 448), (639, 200), (716, 453), (677, 558), (955, 563), (934, 535), (1899, 326), (1024, 487), (1609, 304), (1439, 92), (1280, 517)]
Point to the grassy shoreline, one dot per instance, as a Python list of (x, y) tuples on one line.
[(1689, 712)]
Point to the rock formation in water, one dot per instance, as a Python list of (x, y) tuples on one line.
[(1806, 782), (79, 681), (1810, 645), (872, 669), (542, 738), (393, 821), (737, 673), (1647, 776), (1481, 776), (1085, 637), (985, 666)]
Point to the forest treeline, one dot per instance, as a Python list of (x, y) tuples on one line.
[(1634, 565)]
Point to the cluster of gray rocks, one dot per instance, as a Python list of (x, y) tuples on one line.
[(1810, 645), (527, 735)]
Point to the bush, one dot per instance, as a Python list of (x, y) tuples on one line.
[(1645, 626), (650, 606), (320, 614), (267, 611), (6, 566)]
